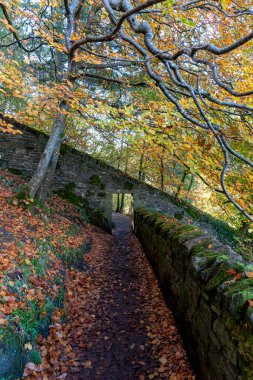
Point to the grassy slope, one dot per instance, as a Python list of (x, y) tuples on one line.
[(36, 252)]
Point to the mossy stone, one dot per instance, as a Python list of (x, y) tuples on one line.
[(89, 193), (95, 180), (201, 246), (168, 226), (179, 215), (68, 194), (242, 334), (218, 276), (241, 285), (185, 229), (238, 302), (205, 261)]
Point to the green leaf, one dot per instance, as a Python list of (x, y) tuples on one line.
[(188, 22), (168, 4)]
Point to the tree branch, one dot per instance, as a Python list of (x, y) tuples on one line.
[(15, 35), (108, 79), (112, 35)]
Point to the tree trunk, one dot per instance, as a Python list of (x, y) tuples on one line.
[(140, 174), (122, 204), (186, 172), (118, 203), (191, 182), (42, 178), (162, 174), (45, 186)]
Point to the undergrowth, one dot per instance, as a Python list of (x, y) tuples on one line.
[(39, 244)]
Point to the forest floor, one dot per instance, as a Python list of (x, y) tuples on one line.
[(77, 303)]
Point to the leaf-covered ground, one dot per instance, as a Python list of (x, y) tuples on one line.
[(77, 303)]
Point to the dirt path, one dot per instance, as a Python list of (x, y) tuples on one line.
[(129, 333)]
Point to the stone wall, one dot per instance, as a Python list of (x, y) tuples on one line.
[(81, 174), (208, 288)]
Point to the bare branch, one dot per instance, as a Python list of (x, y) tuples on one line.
[(112, 35), (108, 79)]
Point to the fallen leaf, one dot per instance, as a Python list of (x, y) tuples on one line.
[(250, 303), (62, 376), (163, 359), (176, 376), (4, 322), (238, 276), (28, 346), (30, 366), (231, 272), (87, 364), (178, 355)]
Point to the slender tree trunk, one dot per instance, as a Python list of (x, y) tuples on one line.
[(162, 174), (186, 172), (191, 182), (37, 185), (140, 174), (58, 132), (122, 204), (42, 178), (118, 203), (43, 190), (126, 162)]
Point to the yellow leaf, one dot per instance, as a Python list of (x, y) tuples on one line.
[(28, 346)]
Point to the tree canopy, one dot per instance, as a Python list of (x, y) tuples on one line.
[(161, 89)]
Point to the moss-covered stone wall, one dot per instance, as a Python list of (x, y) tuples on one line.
[(209, 288), (78, 175)]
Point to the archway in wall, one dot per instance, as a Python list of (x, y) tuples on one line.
[(122, 203)]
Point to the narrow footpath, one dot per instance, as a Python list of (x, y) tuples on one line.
[(128, 331)]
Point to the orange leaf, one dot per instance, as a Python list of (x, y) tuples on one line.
[(3, 322), (238, 276)]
